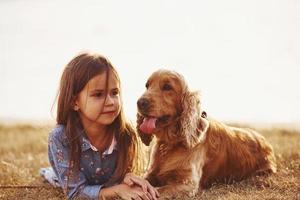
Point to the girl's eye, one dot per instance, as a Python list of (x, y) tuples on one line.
[(98, 94), (115, 92)]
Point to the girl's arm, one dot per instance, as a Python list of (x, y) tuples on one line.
[(132, 179), (75, 184), (126, 192)]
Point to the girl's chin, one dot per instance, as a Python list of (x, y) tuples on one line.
[(106, 120)]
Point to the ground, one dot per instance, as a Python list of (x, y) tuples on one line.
[(23, 151)]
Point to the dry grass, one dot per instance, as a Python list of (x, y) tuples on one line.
[(23, 150)]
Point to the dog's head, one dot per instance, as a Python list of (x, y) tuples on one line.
[(169, 105)]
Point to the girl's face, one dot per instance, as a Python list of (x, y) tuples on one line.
[(91, 99)]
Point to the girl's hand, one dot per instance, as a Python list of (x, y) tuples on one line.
[(125, 192), (132, 179)]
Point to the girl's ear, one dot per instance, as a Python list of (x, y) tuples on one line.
[(76, 108), (146, 138), (76, 105)]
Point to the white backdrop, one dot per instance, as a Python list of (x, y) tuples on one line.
[(244, 56)]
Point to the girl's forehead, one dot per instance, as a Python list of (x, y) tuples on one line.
[(99, 81)]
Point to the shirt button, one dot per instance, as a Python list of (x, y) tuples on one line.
[(98, 171), (92, 164)]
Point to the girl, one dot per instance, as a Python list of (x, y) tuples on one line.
[(93, 149)]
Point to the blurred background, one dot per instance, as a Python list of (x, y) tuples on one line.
[(243, 56)]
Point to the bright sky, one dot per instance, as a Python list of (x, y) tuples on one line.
[(243, 56)]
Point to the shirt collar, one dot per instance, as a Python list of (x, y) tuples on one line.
[(86, 144)]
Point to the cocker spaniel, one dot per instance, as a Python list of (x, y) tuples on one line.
[(191, 151)]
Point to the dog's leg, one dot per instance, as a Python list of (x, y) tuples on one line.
[(182, 191), (183, 185), (152, 178)]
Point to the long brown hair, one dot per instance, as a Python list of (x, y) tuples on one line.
[(75, 76)]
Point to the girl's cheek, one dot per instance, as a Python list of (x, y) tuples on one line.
[(116, 98), (119, 102)]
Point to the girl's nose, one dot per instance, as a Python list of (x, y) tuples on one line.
[(109, 100)]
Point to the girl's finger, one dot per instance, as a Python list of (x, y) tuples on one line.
[(128, 181), (152, 191), (156, 192), (142, 195), (149, 196), (137, 197), (140, 182)]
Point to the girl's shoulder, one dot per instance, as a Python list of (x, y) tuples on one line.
[(58, 133)]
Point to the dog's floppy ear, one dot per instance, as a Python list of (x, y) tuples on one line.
[(192, 126), (146, 138)]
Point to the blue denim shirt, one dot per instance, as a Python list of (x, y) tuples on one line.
[(95, 168)]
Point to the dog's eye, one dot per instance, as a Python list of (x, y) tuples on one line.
[(147, 85), (167, 87)]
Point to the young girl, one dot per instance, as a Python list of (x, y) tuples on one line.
[(93, 149)]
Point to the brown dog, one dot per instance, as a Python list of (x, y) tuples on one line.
[(192, 151)]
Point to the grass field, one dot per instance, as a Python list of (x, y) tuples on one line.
[(23, 150)]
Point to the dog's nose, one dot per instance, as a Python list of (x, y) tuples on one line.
[(143, 104)]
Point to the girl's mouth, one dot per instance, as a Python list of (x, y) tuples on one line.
[(108, 112)]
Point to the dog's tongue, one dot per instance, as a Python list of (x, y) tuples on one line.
[(148, 125)]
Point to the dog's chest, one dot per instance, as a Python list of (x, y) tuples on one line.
[(163, 152), (167, 156)]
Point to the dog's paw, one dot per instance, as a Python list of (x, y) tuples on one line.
[(167, 192)]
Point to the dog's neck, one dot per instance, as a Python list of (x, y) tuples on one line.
[(170, 136)]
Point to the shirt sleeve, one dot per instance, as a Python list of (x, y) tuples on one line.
[(74, 185)]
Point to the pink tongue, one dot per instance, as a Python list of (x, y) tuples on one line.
[(148, 125)]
